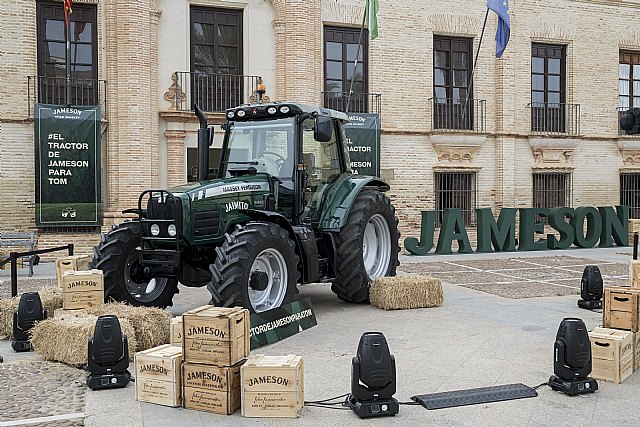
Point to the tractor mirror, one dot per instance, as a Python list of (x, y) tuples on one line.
[(323, 129)]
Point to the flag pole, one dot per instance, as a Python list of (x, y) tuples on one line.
[(67, 88), (355, 63), (475, 62)]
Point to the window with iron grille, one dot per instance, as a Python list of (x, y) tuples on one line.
[(548, 95), (456, 190), (451, 76), (551, 190), (630, 193)]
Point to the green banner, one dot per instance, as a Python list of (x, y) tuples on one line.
[(280, 323), (67, 151), (363, 143)]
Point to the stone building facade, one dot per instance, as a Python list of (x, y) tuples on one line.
[(539, 127)]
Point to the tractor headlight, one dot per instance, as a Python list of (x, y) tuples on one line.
[(284, 109), (271, 110), (155, 229), (171, 230), (241, 113), (230, 114)]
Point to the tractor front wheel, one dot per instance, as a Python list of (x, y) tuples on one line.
[(367, 246), (255, 268)]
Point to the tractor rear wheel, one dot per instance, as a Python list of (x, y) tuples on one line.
[(367, 246), (255, 268), (123, 279)]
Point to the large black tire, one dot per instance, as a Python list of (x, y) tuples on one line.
[(250, 247), (115, 257), (352, 279)]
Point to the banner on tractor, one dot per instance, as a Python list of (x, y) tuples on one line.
[(274, 325), (67, 160), (363, 143)]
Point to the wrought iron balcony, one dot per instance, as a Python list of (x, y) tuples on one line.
[(212, 92), (52, 90), (555, 118), (359, 103), (455, 114)]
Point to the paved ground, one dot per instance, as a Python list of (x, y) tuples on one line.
[(477, 338)]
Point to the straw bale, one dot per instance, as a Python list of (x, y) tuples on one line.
[(64, 339), (402, 292), (50, 296)]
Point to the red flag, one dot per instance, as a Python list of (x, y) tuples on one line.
[(67, 11)]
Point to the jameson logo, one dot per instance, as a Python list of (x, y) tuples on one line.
[(269, 379), (154, 368), (74, 111), (205, 330), (87, 283), (204, 376), (583, 227)]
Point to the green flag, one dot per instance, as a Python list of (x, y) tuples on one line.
[(372, 17)]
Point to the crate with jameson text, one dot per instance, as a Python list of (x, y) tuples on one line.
[(216, 335), (211, 388), (612, 354), (175, 331), (620, 308), (71, 263), (273, 386), (82, 289), (158, 375)]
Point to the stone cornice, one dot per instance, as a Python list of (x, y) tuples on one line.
[(190, 117)]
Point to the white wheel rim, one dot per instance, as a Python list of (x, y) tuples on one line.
[(376, 246), (272, 263)]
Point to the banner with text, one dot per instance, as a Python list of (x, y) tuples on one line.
[(280, 323), (67, 151), (363, 143)]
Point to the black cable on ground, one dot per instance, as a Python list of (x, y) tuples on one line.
[(324, 401), (540, 385)]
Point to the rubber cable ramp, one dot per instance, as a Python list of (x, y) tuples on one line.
[(473, 396)]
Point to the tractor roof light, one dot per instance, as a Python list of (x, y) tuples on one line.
[(230, 114), (285, 109), (241, 113), (272, 110)]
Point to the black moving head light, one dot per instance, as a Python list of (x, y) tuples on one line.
[(108, 355), (572, 359), (591, 288), (28, 313), (373, 378)]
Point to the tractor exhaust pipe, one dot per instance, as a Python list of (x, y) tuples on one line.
[(205, 138)]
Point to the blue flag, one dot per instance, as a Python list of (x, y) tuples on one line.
[(501, 7)]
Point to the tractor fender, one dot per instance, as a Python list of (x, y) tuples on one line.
[(341, 196), (269, 216)]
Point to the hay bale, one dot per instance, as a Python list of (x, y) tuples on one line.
[(401, 292), (64, 338), (50, 296), (151, 325)]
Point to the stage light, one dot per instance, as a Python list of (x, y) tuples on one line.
[(108, 355), (373, 378), (572, 359), (591, 288), (28, 313)]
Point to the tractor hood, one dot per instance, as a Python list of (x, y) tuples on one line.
[(224, 187)]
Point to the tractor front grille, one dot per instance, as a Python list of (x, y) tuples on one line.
[(206, 223)]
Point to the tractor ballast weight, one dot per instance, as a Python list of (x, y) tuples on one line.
[(285, 209)]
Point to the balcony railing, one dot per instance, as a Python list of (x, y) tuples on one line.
[(212, 92), (555, 118), (360, 102), (455, 114), (52, 90)]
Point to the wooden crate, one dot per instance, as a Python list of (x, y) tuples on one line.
[(175, 331), (211, 388), (158, 375), (82, 289), (71, 263), (636, 351), (216, 335), (612, 354), (273, 386), (634, 274), (620, 309)]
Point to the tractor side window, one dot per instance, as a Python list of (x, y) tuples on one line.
[(322, 166)]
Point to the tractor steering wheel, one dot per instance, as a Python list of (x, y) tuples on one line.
[(279, 159)]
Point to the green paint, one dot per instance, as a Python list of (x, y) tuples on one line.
[(557, 221), (594, 227), (502, 235), (453, 229), (616, 224), (427, 227), (529, 227)]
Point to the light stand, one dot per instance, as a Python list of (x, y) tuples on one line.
[(373, 378), (108, 358), (572, 359), (591, 288), (28, 313)]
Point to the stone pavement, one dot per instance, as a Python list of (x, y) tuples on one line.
[(475, 339)]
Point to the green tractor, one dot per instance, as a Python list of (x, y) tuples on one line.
[(285, 209)]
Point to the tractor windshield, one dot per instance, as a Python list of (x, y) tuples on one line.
[(266, 146)]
